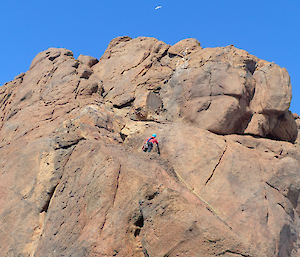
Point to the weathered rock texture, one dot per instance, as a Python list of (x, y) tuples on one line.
[(74, 181)]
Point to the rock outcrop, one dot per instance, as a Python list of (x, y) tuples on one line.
[(74, 181)]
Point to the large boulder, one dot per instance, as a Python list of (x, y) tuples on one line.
[(224, 90)]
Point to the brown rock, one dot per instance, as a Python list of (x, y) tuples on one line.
[(215, 89), (90, 87), (272, 91), (74, 181), (87, 60), (139, 66), (285, 128), (51, 54), (184, 47), (297, 120), (84, 71)]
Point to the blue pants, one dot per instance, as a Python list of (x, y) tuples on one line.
[(150, 146)]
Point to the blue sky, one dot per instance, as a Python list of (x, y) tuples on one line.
[(267, 29)]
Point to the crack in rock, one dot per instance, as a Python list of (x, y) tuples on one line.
[(67, 144), (50, 196), (273, 187), (103, 224), (232, 252), (292, 213), (216, 165), (117, 186), (146, 55)]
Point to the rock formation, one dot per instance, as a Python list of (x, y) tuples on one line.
[(74, 181)]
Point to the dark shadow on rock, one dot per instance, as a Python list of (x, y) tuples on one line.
[(286, 241)]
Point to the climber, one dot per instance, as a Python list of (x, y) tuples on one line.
[(148, 145)]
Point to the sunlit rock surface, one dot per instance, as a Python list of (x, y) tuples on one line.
[(75, 182)]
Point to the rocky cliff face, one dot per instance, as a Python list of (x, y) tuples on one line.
[(75, 182)]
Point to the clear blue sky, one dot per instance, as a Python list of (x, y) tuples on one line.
[(267, 29)]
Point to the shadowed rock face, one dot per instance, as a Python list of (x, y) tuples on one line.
[(75, 182)]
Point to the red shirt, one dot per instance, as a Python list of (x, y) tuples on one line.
[(152, 140)]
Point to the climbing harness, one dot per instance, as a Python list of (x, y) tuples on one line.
[(145, 146)]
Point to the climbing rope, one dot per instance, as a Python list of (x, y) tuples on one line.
[(193, 191), (213, 210)]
